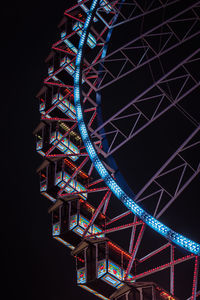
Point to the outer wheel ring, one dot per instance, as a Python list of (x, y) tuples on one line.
[(159, 227)]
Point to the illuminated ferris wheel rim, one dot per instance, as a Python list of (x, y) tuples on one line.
[(158, 226)]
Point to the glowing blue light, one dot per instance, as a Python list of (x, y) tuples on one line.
[(117, 191), (91, 41), (63, 34), (105, 6), (84, 7), (71, 46)]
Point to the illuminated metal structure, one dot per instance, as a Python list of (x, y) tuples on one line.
[(79, 174)]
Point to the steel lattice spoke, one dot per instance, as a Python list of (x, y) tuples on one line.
[(177, 165), (83, 192), (122, 54), (160, 97), (134, 10)]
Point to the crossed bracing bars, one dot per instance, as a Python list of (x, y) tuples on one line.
[(163, 30), (178, 162), (184, 164), (136, 239), (138, 117), (133, 10), (177, 165)]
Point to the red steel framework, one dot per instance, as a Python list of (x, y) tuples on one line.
[(81, 202)]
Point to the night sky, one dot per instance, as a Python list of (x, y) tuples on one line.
[(33, 265)]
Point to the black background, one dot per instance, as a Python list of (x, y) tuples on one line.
[(32, 264)]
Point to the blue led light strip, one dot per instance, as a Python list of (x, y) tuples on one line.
[(162, 229)]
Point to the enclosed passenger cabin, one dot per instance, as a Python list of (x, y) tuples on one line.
[(56, 102), (141, 291), (70, 219), (56, 138), (55, 175), (46, 172), (64, 169), (101, 266), (61, 69)]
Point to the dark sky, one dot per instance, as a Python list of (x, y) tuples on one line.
[(34, 266)]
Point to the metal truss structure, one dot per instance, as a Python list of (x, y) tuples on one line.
[(79, 174)]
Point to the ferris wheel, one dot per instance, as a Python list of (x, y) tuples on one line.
[(118, 70)]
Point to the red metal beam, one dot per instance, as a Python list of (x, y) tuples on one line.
[(162, 267), (118, 228)]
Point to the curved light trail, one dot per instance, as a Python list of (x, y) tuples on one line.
[(162, 229)]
